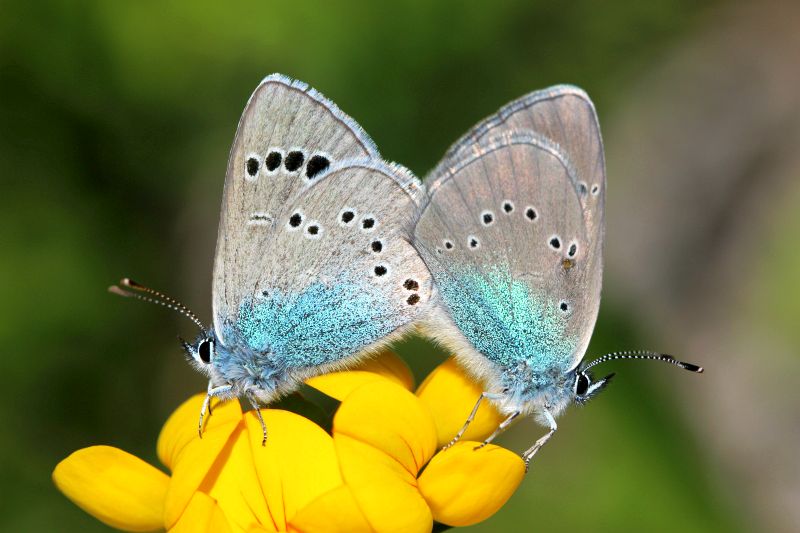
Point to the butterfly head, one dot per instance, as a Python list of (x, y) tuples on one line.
[(202, 352), (586, 386)]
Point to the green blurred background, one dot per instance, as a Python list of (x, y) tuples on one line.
[(116, 120)]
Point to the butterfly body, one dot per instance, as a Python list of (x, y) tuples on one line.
[(313, 268), (512, 234)]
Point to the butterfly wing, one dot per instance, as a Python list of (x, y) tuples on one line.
[(506, 241), (339, 276), (565, 115), (288, 135)]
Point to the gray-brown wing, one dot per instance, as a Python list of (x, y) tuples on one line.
[(566, 116), (504, 237), (288, 136), (339, 275)]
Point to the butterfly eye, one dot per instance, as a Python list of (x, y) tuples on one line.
[(205, 350), (581, 384)]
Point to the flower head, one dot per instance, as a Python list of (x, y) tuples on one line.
[(380, 470)]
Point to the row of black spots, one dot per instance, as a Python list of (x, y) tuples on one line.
[(312, 229), (487, 217), (508, 207), (292, 163), (347, 217), (412, 285), (555, 244), (473, 243)]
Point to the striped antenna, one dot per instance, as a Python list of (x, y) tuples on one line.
[(641, 354), (154, 297)]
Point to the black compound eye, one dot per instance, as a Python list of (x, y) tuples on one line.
[(582, 385), (204, 351)]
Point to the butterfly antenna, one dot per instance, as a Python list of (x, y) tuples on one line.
[(155, 297), (640, 354)]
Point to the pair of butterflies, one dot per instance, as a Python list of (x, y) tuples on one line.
[(326, 252)]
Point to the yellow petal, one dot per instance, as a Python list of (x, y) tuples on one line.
[(233, 483), (336, 511), (202, 514), (392, 505), (389, 365), (192, 458), (117, 488), (390, 419), (363, 463), (181, 427), (386, 365), (296, 466), (464, 486), (450, 394)]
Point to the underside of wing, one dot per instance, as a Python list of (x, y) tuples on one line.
[(504, 237), (338, 276), (566, 116), (288, 137)]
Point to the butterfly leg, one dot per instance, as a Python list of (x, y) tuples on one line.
[(502, 427), (471, 417), (206, 408), (530, 452), (257, 409)]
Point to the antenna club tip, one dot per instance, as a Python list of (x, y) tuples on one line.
[(113, 289), (693, 368), (128, 282)]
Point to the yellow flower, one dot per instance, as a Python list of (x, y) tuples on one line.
[(225, 481), (387, 440), (379, 472)]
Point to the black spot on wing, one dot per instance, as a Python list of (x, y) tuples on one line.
[(294, 160), (316, 165)]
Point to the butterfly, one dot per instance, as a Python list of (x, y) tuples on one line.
[(314, 268), (512, 232)]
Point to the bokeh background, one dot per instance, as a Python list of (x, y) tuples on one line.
[(115, 123)]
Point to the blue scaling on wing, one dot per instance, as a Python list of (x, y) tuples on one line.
[(322, 324), (505, 320)]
